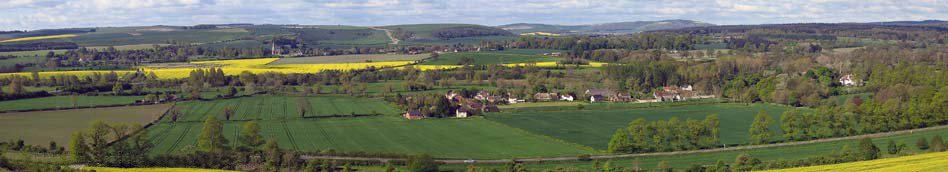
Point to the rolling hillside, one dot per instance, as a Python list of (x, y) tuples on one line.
[(619, 27)]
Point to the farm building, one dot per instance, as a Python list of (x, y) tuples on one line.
[(599, 95), (482, 95), (567, 97), (545, 96), (675, 93), (514, 99), (413, 114), (847, 80), (461, 113)]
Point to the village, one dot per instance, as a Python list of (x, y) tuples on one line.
[(484, 101)]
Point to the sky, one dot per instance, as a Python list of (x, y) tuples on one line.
[(45, 14)]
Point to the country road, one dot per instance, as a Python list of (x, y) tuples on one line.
[(389, 33), (457, 161)]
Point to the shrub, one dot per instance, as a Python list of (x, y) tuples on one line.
[(922, 143)]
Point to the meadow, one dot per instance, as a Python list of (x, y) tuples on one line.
[(765, 154), (595, 128), (66, 102), (921, 162), (351, 58), (41, 127), (443, 138)]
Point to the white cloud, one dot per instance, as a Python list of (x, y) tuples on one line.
[(37, 14)]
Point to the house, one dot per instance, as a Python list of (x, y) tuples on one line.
[(513, 99), (461, 113), (599, 95), (847, 80), (567, 97), (622, 97), (451, 95), (413, 114), (493, 99), (545, 96), (482, 95), (675, 93)]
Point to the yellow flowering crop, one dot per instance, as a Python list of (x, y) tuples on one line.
[(922, 162), (40, 37)]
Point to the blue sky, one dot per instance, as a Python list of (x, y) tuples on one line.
[(40, 14)]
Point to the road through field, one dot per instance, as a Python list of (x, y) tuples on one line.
[(389, 33), (572, 158)]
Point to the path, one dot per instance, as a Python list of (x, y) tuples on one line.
[(457, 161), (389, 33)]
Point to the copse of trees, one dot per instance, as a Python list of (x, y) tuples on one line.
[(666, 135), (101, 145)]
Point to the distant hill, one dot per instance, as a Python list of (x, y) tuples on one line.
[(936, 23), (619, 27)]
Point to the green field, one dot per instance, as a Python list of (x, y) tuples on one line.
[(446, 138), (595, 128), (352, 58), (765, 154), (40, 127), (65, 102), (282, 107), (484, 58)]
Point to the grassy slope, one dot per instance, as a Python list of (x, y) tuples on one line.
[(65, 102), (38, 128), (595, 127), (273, 107), (483, 58), (766, 154), (351, 58)]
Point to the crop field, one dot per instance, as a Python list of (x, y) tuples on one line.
[(467, 138), (110, 169), (765, 154), (282, 107), (39, 38), (65, 102), (447, 138), (594, 128), (154, 37), (352, 58), (230, 67), (40, 127), (484, 58), (922, 162)]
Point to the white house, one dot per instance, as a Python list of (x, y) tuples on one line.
[(847, 80)]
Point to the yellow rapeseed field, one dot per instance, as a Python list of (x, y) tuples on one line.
[(107, 169), (922, 162), (230, 67), (40, 37)]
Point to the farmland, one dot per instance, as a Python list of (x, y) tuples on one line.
[(282, 107), (109, 169), (41, 127), (484, 58), (594, 128), (922, 162), (39, 38), (766, 154), (66, 102), (230, 67), (351, 58), (280, 121)]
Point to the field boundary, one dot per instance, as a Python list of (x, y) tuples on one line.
[(619, 156)]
